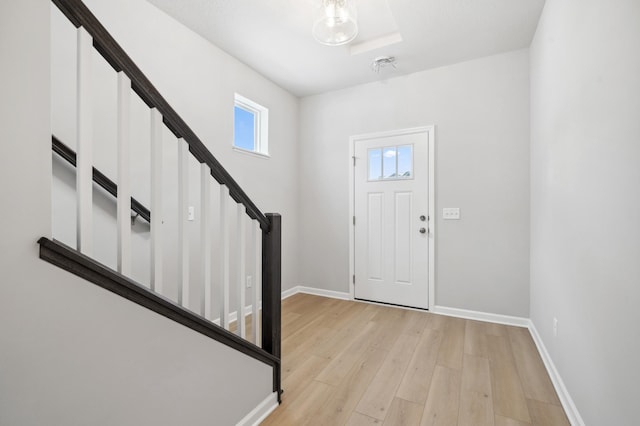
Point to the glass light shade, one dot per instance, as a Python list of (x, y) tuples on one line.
[(337, 23)]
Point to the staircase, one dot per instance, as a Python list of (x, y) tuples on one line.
[(264, 230)]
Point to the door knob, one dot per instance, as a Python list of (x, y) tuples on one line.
[(422, 230), (423, 218)]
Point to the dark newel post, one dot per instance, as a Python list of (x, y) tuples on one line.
[(271, 292)]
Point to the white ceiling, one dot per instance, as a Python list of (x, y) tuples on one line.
[(274, 36)]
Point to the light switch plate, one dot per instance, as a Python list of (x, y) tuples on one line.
[(451, 213), (191, 213)]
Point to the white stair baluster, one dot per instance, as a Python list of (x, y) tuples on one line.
[(183, 230), (224, 255), (84, 138), (124, 179), (241, 324), (257, 283), (156, 201), (205, 237)]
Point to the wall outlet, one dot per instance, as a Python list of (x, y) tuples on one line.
[(555, 326), (449, 213), (249, 281)]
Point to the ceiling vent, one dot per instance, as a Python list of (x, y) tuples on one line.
[(383, 62)]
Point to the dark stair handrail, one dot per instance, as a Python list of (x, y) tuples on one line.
[(98, 177)]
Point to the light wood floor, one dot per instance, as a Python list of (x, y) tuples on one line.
[(358, 364)]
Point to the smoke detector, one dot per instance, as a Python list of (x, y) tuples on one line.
[(382, 62)]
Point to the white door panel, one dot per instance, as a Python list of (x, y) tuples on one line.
[(402, 247), (391, 184), (375, 235)]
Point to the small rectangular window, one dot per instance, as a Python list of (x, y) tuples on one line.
[(375, 164), (244, 129), (250, 126), (391, 163), (405, 161)]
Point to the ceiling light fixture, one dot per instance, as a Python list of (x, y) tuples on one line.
[(337, 24), (383, 61)]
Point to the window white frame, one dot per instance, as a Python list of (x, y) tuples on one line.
[(261, 125), (387, 179)]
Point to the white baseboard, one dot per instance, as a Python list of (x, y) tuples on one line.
[(322, 292), (233, 316), (315, 291), (565, 399), (481, 316), (258, 414), (290, 292)]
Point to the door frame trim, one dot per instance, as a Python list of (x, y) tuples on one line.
[(430, 131)]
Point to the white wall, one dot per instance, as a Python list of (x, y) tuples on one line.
[(481, 113), (585, 201), (199, 81), (72, 353)]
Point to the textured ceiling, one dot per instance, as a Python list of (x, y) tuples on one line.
[(274, 36)]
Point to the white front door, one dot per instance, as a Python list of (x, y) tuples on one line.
[(391, 206)]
